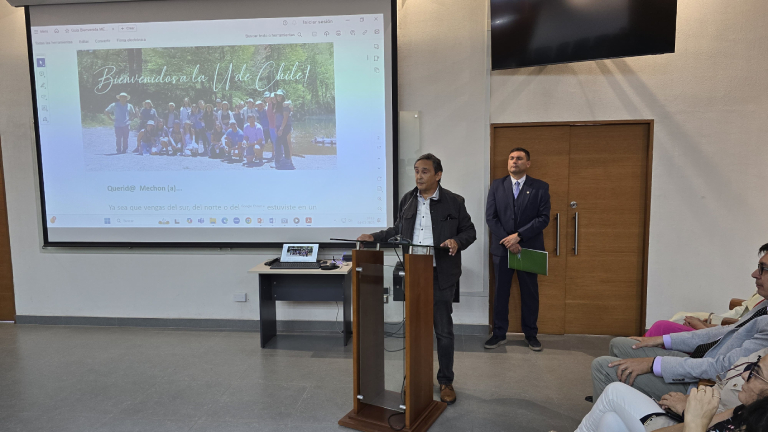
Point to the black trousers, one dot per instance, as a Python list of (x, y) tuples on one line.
[(529, 299), (442, 308)]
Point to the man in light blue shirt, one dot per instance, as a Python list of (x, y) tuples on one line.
[(233, 140), (254, 137), (123, 113), (671, 363)]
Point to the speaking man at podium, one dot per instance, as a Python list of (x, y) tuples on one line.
[(517, 211), (432, 215)]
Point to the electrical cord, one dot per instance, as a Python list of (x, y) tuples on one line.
[(402, 401), (337, 319), (396, 335), (389, 421)]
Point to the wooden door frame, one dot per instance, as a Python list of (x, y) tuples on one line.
[(649, 177)]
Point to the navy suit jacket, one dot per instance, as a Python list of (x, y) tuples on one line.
[(532, 213)]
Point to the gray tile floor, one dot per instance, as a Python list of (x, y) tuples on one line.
[(82, 379)]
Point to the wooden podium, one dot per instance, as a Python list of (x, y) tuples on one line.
[(419, 410)]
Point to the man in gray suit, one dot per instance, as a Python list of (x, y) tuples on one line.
[(659, 365)]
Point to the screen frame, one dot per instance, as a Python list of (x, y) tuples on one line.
[(284, 257), (47, 243), (597, 58)]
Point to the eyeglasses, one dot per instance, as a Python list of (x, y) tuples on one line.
[(761, 268), (751, 368), (748, 367)]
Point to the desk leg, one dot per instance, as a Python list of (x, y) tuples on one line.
[(267, 310), (347, 308)]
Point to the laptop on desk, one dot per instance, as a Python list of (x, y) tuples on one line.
[(298, 256)]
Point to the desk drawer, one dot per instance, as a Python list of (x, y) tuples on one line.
[(306, 287)]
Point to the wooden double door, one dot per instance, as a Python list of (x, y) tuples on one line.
[(599, 178)]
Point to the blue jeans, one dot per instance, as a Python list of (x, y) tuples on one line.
[(442, 308), (121, 138)]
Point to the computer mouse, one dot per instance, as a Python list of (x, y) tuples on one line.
[(329, 265)]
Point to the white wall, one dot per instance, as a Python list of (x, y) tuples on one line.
[(196, 284), (708, 100)]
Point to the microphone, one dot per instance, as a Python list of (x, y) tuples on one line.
[(399, 237)]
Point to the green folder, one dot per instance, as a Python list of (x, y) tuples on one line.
[(529, 260)]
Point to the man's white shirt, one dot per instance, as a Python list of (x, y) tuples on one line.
[(522, 182), (422, 229)]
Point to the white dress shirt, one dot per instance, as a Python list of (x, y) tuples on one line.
[(422, 229)]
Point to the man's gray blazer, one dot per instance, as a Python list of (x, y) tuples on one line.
[(734, 344)]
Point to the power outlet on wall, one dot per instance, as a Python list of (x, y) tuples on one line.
[(240, 297)]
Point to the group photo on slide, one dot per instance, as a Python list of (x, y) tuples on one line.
[(209, 108)]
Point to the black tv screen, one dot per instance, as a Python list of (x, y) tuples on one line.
[(541, 32)]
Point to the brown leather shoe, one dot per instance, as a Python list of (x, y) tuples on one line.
[(447, 394)]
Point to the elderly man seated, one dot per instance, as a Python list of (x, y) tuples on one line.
[(690, 321), (663, 364)]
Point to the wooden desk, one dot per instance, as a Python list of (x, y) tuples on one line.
[(302, 285)]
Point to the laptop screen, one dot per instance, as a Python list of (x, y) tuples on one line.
[(299, 253)]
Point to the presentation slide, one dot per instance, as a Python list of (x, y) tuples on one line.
[(267, 129)]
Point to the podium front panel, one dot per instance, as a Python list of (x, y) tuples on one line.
[(382, 340), (392, 355)]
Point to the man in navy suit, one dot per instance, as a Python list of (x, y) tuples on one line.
[(516, 213)]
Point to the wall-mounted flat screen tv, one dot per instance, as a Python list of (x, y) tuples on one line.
[(542, 32)]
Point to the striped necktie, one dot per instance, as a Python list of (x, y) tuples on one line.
[(702, 349), (516, 189)]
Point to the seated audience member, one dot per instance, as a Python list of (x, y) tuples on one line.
[(254, 137), (747, 418), (690, 321), (217, 149), (233, 140), (729, 384), (660, 365), (636, 411), (756, 416)]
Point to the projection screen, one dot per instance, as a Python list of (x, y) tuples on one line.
[(199, 123)]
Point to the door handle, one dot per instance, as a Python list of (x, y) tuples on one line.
[(557, 248), (576, 236)]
